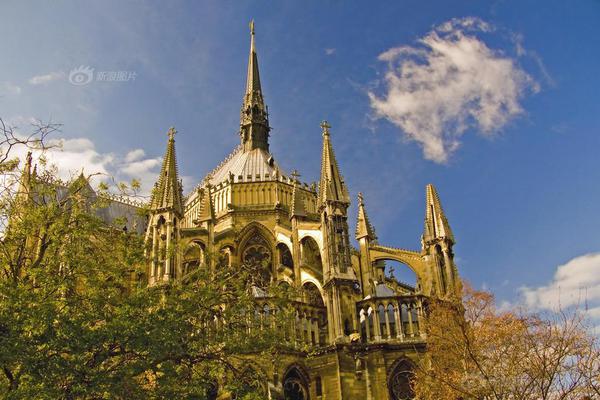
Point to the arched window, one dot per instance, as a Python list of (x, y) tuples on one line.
[(392, 320), (382, 326), (295, 385), (285, 256), (363, 325), (312, 295), (404, 310), (193, 257), (256, 255), (311, 256), (400, 382)]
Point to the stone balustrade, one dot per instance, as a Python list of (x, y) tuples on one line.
[(394, 318)]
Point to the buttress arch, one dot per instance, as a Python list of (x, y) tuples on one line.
[(415, 261)]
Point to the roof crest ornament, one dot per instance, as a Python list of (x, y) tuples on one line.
[(325, 126)]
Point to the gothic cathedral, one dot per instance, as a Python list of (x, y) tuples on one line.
[(365, 327)]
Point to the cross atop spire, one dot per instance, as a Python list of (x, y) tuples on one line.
[(325, 127), (254, 119), (172, 131)]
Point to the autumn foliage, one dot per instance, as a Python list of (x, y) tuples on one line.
[(476, 351)]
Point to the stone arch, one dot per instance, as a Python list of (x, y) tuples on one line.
[(296, 383), (194, 256), (402, 272), (252, 228), (284, 256), (310, 256), (312, 295), (411, 259), (315, 235), (399, 380), (226, 252)]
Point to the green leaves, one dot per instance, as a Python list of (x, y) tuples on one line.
[(78, 322)]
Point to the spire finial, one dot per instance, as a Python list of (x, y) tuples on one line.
[(361, 201), (254, 117), (172, 131), (325, 127)]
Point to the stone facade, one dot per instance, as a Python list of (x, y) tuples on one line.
[(366, 329)]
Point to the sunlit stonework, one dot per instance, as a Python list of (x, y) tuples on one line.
[(365, 327)]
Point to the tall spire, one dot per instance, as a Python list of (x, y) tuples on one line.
[(253, 77), (331, 186), (363, 225), (167, 190), (436, 224), (254, 118)]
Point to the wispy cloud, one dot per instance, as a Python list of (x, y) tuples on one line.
[(73, 156), (7, 87), (575, 283), (449, 82), (42, 79), (329, 51)]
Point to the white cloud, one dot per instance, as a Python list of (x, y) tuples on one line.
[(450, 82), (135, 155), (7, 87), (575, 283), (329, 51), (41, 79), (70, 157)]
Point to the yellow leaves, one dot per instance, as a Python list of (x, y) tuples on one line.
[(477, 352)]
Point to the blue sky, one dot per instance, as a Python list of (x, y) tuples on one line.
[(498, 107)]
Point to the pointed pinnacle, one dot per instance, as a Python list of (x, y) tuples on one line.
[(436, 223), (363, 225)]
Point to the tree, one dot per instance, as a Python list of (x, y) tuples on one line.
[(478, 352), (78, 322)]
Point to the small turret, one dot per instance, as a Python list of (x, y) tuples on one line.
[(364, 229), (166, 211), (332, 188), (436, 224), (438, 242), (167, 190)]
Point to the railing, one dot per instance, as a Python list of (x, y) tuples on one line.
[(308, 325), (394, 318)]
